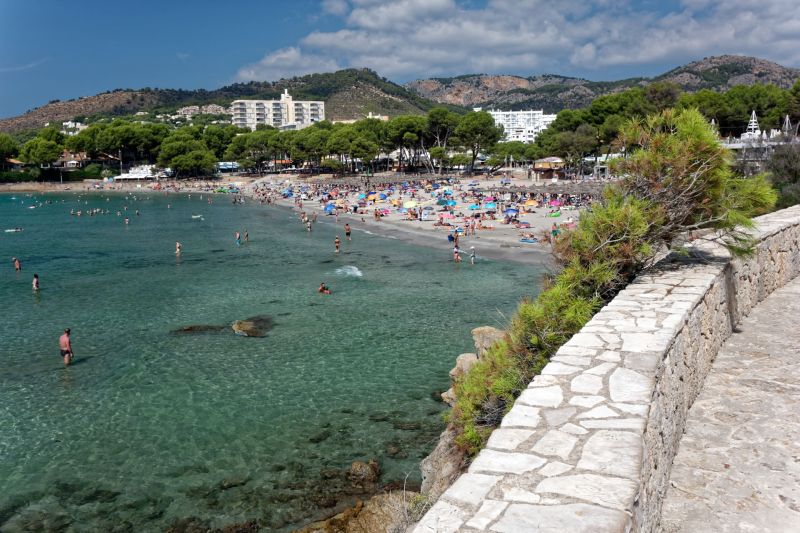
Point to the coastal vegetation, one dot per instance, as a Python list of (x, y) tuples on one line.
[(677, 180)]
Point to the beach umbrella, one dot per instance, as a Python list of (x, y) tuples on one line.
[(382, 196), (410, 204), (532, 203), (448, 193), (511, 211), (474, 207), (446, 215), (451, 203), (490, 198), (490, 205), (441, 201), (362, 196), (329, 208), (555, 203)]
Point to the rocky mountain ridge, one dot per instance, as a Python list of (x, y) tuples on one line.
[(553, 93)]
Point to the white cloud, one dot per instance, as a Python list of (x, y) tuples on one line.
[(285, 63), (403, 39), (335, 7), (27, 66)]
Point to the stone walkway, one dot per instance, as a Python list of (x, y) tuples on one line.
[(738, 466)]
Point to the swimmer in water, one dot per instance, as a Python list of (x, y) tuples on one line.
[(178, 247), (323, 289), (347, 231), (66, 347), (238, 238), (35, 282), (17, 264), (337, 243)]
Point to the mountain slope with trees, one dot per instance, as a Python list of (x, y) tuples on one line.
[(554, 93), (348, 94)]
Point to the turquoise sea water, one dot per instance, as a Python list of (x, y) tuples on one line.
[(149, 429)]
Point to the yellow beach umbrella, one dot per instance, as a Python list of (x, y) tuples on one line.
[(409, 204), (532, 203)]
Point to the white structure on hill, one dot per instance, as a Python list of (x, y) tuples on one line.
[(522, 125), (284, 113)]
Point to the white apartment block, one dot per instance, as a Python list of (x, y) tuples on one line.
[(522, 125), (277, 113)]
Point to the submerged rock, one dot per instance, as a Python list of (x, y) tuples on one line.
[(361, 472), (255, 326), (198, 328)]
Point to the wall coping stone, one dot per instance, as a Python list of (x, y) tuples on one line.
[(589, 444)]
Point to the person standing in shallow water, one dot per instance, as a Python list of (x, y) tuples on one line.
[(35, 282), (347, 231), (337, 242), (17, 264), (66, 347)]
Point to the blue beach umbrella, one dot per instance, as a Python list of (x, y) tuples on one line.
[(511, 211), (441, 201), (491, 205), (474, 207), (451, 203), (329, 208), (362, 196), (382, 196)]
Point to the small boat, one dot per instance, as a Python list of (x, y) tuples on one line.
[(14, 230), (197, 216)]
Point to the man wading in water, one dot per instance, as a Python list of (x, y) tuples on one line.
[(66, 347)]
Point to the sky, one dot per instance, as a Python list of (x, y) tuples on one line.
[(62, 49)]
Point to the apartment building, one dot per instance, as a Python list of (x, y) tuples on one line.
[(522, 125), (285, 113)]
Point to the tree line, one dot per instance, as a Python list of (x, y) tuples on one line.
[(433, 142)]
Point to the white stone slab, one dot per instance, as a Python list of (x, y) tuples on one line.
[(641, 342), (588, 340), (573, 429), (508, 439), (628, 386), (488, 512), (616, 453), (632, 408), (443, 517), (610, 356), (542, 396), (572, 360), (521, 416), (554, 468), (587, 384), (606, 491), (615, 423), (586, 401), (555, 442), (601, 369), (471, 488), (506, 462), (599, 412), (515, 494), (545, 381), (556, 417), (560, 369), (567, 518)]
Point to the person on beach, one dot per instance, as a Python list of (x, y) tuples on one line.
[(337, 243), (17, 264), (471, 255), (323, 289), (178, 247), (347, 231), (35, 282), (66, 347)]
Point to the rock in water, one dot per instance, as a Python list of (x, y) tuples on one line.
[(380, 514), (197, 329), (463, 363), (361, 472), (255, 326)]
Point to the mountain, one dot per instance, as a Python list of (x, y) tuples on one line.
[(553, 93), (348, 94)]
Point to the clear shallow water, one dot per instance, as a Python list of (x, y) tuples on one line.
[(148, 428)]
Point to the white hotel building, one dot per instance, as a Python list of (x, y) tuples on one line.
[(283, 114), (522, 125)]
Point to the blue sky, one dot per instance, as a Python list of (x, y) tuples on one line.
[(60, 49)]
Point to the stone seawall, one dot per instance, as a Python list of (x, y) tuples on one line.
[(588, 446)]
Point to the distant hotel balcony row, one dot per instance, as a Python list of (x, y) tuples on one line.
[(284, 113)]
